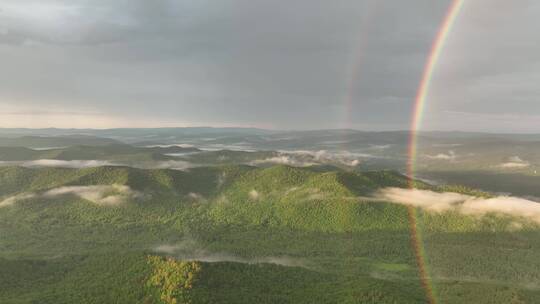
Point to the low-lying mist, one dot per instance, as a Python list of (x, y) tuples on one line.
[(60, 163), (80, 164), (301, 158), (188, 249), (465, 204), (105, 195)]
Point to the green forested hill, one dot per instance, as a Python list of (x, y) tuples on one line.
[(268, 235)]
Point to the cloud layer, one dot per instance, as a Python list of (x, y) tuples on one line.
[(67, 163), (60, 163), (190, 250), (105, 195), (306, 158), (78, 164), (465, 204), (353, 64), (515, 162), (283, 160), (451, 155)]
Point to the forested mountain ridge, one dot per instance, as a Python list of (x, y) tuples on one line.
[(282, 232)]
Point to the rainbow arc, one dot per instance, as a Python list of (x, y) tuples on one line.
[(416, 124)]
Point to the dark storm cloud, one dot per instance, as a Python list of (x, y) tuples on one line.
[(286, 64)]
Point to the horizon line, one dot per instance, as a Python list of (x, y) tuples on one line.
[(273, 130)]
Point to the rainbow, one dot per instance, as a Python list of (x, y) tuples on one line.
[(423, 90), (445, 28), (416, 124), (354, 67)]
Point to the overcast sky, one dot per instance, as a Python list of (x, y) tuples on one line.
[(295, 64)]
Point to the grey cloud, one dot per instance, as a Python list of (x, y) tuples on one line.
[(490, 69), (289, 64)]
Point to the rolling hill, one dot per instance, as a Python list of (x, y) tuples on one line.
[(276, 234)]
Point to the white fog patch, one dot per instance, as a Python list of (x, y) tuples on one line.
[(451, 155), (167, 248), (189, 250), (61, 163), (283, 160), (343, 157), (465, 204), (429, 200), (171, 145), (514, 165), (225, 257), (80, 164), (170, 164), (180, 154), (162, 164), (15, 198), (105, 195), (238, 147), (379, 147), (516, 159), (447, 145), (303, 158), (101, 195), (515, 162), (47, 148)]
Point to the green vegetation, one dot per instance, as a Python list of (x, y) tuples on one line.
[(265, 235), (173, 279), (93, 278)]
